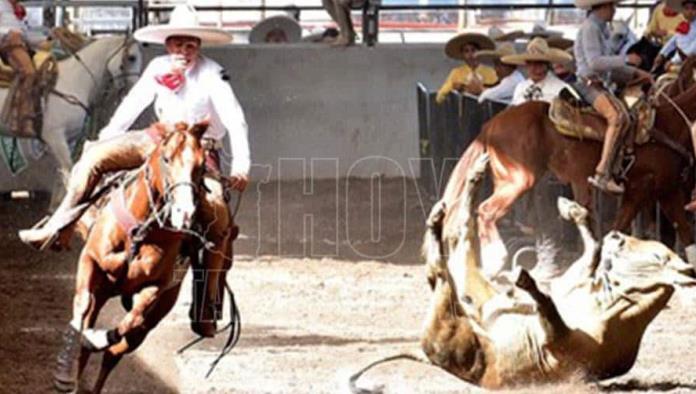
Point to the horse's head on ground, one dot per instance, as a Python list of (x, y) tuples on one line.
[(177, 171)]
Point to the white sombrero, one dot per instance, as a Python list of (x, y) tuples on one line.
[(538, 50), (289, 26), (505, 48), (677, 5), (540, 30), (588, 4), (183, 21)]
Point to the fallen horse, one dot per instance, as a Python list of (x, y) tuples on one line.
[(494, 336)]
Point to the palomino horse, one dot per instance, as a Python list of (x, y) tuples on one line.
[(111, 264), (523, 145), (81, 78)]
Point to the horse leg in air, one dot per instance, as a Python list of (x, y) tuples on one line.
[(673, 206), (132, 340), (511, 180)]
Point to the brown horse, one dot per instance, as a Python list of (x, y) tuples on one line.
[(111, 265), (523, 145)]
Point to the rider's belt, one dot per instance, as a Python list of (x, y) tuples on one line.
[(211, 144)]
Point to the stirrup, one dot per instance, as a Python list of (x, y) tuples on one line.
[(605, 183)]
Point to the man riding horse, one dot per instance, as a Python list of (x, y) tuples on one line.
[(597, 68), (185, 86), (15, 51)]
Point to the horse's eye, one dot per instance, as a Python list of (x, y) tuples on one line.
[(165, 159), (132, 58)]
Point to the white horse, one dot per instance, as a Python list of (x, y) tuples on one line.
[(622, 37), (82, 78)]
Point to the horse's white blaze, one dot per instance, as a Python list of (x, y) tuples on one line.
[(183, 204)]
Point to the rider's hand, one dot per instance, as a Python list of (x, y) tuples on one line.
[(475, 86), (659, 60), (643, 77), (238, 181), (633, 59)]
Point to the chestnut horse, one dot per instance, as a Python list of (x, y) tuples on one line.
[(164, 189), (523, 145)]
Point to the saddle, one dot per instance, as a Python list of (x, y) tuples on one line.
[(575, 118)]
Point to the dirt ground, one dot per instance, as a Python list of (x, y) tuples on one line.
[(327, 278)]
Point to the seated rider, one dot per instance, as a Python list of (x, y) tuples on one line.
[(471, 77), (597, 68), (15, 51), (684, 40), (541, 83), (185, 86)]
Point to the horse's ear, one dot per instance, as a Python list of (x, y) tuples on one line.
[(629, 19), (198, 129)]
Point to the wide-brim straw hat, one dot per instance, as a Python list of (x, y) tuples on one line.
[(538, 50), (288, 25), (455, 45), (183, 21), (497, 34), (560, 42), (677, 5), (588, 4), (503, 49)]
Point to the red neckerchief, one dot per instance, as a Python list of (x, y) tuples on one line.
[(683, 28), (19, 11), (173, 81)]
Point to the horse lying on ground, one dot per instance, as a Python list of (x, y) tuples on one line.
[(165, 188), (590, 325)]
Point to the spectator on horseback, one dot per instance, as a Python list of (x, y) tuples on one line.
[(684, 41), (185, 87), (541, 83), (508, 74), (597, 68), (14, 49), (471, 77), (663, 23)]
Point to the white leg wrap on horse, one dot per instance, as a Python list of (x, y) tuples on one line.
[(99, 339), (691, 255), (493, 256)]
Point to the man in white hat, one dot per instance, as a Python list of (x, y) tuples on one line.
[(541, 83), (508, 74), (185, 87), (472, 76), (597, 68), (15, 50)]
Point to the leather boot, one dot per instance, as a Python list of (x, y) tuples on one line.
[(603, 179), (21, 62)]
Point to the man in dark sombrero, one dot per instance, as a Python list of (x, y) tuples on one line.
[(472, 76)]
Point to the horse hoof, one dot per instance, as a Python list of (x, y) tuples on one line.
[(206, 329)]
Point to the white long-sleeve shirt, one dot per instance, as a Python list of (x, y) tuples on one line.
[(8, 20), (545, 90), (504, 90), (204, 94), (685, 42)]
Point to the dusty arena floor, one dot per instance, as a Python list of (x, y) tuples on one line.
[(308, 320)]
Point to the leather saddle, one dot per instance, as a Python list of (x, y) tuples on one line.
[(575, 118)]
